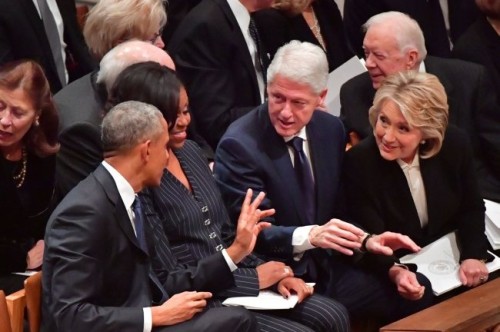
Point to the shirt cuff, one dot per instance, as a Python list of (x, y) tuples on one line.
[(148, 320), (228, 260), (300, 239)]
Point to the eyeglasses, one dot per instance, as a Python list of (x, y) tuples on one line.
[(155, 36)]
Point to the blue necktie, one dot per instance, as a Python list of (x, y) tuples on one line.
[(159, 292), (254, 33), (305, 179)]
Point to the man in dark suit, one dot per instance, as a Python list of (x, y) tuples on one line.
[(22, 35), (255, 152), (439, 23), (81, 108), (220, 63), (473, 106), (97, 273)]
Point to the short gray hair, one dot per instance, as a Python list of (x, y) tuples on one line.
[(406, 31), (301, 62), (128, 124), (127, 54)]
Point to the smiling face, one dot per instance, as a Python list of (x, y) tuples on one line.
[(291, 105), (395, 138), (17, 115), (383, 55), (178, 133)]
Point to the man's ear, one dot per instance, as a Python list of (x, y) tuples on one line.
[(145, 150), (322, 96), (411, 59)]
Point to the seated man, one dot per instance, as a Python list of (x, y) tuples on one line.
[(97, 274), (264, 151), (394, 42)]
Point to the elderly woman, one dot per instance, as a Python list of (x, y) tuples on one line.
[(414, 175), (316, 21), (111, 22), (188, 209), (28, 143)]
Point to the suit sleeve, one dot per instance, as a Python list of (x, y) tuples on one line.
[(202, 62), (470, 217), (74, 247), (79, 155), (5, 45), (236, 170)]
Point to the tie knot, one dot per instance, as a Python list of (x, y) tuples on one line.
[(296, 143)]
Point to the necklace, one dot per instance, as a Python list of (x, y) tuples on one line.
[(314, 26), (21, 174)]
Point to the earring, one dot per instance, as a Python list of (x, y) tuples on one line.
[(36, 122), (422, 142)]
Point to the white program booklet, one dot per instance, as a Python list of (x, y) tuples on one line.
[(439, 262), (266, 300), (337, 78), (492, 223)]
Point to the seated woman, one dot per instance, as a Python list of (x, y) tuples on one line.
[(28, 143), (414, 175), (316, 21), (190, 211)]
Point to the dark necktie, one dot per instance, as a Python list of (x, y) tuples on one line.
[(52, 33), (304, 177), (159, 293), (259, 61)]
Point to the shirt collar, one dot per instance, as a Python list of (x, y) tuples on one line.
[(125, 190), (240, 13), (302, 134), (414, 163)]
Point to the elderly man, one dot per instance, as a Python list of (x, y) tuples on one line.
[(81, 107), (394, 42), (97, 274), (294, 153)]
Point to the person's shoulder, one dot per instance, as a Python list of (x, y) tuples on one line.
[(360, 81)]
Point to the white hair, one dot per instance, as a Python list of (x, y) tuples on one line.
[(302, 62), (406, 31)]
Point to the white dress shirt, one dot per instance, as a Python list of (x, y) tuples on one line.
[(417, 189), (243, 18), (60, 28)]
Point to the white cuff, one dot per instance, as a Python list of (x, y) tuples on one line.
[(148, 320), (228, 260), (300, 239)]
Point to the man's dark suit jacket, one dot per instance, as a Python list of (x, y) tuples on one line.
[(278, 28), (473, 108), (379, 198), (22, 36), (252, 155), (481, 44), (462, 13), (95, 275), (81, 107), (213, 61)]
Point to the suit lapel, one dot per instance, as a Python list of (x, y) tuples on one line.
[(121, 215), (239, 42), (277, 151), (35, 20)]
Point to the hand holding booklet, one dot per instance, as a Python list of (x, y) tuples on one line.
[(439, 262), (266, 300)]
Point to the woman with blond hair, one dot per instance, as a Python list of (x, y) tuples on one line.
[(415, 175)]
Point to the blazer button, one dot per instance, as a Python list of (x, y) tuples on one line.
[(219, 247), (207, 222), (204, 209), (212, 235)]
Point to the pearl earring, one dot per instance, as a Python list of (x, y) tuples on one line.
[(422, 142)]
